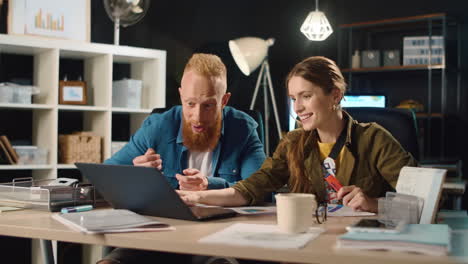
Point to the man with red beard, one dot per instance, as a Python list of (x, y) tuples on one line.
[(202, 144)]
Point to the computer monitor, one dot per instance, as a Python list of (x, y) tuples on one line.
[(292, 116), (349, 100), (364, 100)]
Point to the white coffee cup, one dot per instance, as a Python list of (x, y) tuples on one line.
[(295, 211)]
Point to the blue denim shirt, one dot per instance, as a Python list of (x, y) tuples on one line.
[(239, 152)]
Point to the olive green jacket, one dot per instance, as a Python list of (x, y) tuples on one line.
[(372, 160)]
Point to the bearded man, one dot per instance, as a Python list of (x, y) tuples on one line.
[(202, 144)]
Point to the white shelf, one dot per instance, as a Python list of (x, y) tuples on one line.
[(66, 166), (26, 106), (82, 108), (26, 167), (130, 110), (98, 60)]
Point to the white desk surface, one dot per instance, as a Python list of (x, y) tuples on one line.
[(39, 224)]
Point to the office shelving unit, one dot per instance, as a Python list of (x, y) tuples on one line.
[(98, 62), (388, 34)]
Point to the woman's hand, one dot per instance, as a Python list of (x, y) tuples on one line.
[(355, 198), (189, 197)]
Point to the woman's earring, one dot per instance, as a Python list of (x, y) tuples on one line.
[(334, 107)]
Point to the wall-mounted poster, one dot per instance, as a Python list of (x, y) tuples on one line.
[(68, 19)]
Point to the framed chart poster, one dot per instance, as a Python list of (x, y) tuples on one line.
[(68, 19)]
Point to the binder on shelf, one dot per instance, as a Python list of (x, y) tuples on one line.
[(7, 153)]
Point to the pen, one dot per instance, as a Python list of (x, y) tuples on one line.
[(74, 209)]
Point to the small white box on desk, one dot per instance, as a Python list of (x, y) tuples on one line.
[(127, 93)]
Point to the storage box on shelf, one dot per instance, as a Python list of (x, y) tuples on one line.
[(127, 93), (416, 50), (31, 155), (117, 145), (17, 94), (146, 65), (80, 147)]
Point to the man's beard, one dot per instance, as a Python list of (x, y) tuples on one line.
[(204, 141)]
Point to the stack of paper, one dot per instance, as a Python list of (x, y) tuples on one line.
[(265, 236), (110, 221), (428, 239)]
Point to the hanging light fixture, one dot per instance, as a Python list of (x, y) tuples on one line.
[(316, 26)]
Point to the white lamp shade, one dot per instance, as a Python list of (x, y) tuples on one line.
[(249, 52), (316, 26)]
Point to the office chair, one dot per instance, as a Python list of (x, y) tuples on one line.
[(400, 122)]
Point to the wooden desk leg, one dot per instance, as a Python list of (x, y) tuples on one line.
[(47, 253)]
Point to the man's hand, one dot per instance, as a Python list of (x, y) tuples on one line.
[(149, 159), (354, 197), (192, 180)]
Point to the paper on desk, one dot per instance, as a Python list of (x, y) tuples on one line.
[(333, 210), (341, 210), (9, 208), (265, 236), (254, 210)]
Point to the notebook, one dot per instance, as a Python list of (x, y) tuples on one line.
[(145, 191), (110, 221), (430, 239)]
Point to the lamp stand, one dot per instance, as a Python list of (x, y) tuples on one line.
[(116, 31), (264, 78)]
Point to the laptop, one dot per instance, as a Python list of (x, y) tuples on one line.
[(145, 191)]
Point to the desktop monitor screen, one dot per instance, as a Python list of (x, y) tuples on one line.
[(292, 116), (349, 100), (360, 100)]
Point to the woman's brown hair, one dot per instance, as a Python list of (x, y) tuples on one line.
[(324, 73)]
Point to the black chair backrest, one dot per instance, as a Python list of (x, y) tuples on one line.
[(400, 122), (256, 115)]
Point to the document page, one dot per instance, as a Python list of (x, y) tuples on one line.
[(265, 236), (341, 210), (254, 210)]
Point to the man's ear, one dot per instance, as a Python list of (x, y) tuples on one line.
[(225, 99)]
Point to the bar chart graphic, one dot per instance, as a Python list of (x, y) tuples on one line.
[(48, 21), (67, 19)]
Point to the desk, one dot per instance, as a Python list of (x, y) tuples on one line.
[(39, 224)]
